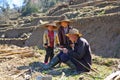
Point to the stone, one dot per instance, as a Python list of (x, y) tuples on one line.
[(48, 77), (113, 76), (119, 66)]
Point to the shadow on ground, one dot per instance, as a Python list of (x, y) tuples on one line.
[(38, 67)]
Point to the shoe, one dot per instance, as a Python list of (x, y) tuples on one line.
[(52, 63), (71, 65), (46, 63), (75, 72)]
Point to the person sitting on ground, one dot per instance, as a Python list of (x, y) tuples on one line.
[(50, 40), (78, 58)]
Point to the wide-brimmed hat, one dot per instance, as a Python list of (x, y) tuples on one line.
[(74, 31), (50, 24), (63, 18)]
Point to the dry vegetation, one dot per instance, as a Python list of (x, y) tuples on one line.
[(18, 62)]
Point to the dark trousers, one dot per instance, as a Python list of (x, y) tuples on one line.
[(63, 57), (49, 54)]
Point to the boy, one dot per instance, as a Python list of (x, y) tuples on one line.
[(50, 40), (62, 30)]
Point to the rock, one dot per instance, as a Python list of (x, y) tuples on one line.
[(3, 36), (20, 22), (28, 20), (35, 15), (27, 77), (113, 76), (118, 77), (43, 22), (56, 8), (44, 77), (119, 66)]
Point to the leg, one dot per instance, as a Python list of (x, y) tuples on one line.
[(58, 55), (52, 53), (53, 62), (46, 56), (64, 58), (67, 60)]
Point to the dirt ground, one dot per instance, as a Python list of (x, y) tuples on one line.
[(98, 21), (13, 66), (15, 61)]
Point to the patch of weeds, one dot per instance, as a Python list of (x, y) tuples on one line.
[(34, 59), (45, 72), (103, 71), (103, 61), (109, 62), (101, 13)]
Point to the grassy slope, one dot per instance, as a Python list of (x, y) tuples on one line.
[(104, 66)]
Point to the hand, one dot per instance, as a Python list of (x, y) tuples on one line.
[(61, 46), (72, 45), (57, 45), (46, 46), (65, 50)]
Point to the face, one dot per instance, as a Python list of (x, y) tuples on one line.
[(64, 24), (50, 28), (73, 37)]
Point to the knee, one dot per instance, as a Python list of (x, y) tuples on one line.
[(64, 58), (58, 55)]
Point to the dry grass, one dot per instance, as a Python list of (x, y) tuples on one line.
[(10, 68)]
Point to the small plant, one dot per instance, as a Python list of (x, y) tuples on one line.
[(101, 13)]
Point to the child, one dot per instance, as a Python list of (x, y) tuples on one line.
[(50, 40), (62, 30)]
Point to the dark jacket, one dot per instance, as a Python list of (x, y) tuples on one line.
[(63, 39), (81, 52)]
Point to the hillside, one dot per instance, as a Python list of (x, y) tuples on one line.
[(98, 21), (22, 53)]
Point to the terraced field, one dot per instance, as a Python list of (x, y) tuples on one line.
[(97, 20)]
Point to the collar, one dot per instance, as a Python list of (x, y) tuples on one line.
[(50, 31)]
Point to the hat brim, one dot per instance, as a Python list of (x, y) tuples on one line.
[(58, 22), (79, 34), (46, 26)]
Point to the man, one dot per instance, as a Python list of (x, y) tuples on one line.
[(78, 58)]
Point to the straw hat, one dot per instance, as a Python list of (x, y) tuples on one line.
[(74, 31), (50, 24), (63, 19)]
